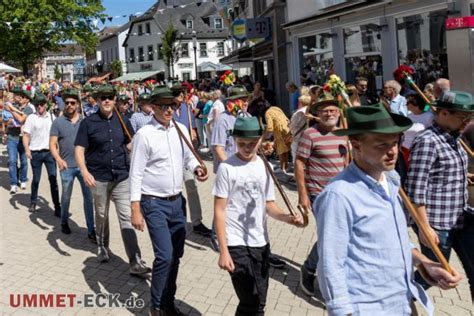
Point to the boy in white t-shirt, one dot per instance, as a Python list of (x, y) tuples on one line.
[(243, 196)]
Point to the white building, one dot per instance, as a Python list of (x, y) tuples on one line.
[(111, 47), (193, 20), (70, 61)]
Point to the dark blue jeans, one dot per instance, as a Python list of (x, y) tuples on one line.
[(38, 158), (15, 148), (67, 183), (462, 241), (166, 222), (311, 261)]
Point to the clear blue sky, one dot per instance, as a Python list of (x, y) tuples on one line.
[(123, 7)]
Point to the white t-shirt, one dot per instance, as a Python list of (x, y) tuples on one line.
[(217, 108), (38, 128), (420, 123), (247, 187)]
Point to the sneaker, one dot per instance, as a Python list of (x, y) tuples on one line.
[(139, 268), (202, 230), (13, 189), (103, 254), (276, 262), (32, 207), (23, 185), (307, 281), (92, 237), (65, 228), (214, 244)]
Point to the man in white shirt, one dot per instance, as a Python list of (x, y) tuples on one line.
[(159, 156), (398, 103), (36, 143)]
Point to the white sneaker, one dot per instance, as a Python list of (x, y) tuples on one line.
[(23, 186), (13, 189)]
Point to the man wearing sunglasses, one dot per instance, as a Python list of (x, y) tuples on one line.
[(61, 143), (36, 143), (101, 154), (159, 158)]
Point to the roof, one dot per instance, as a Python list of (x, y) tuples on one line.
[(66, 49), (137, 76), (109, 32)]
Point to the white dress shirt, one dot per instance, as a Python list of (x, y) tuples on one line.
[(38, 127), (158, 158)]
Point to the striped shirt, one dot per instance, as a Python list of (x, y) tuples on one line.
[(325, 153)]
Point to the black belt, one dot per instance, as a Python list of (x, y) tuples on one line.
[(166, 198), (40, 151)]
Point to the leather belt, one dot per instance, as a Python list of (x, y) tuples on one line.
[(40, 151), (166, 198)]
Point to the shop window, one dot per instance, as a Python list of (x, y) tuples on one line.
[(422, 45), (363, 39), (316, 57), (185, 50)]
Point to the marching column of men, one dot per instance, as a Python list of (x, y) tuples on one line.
[(363, 260)]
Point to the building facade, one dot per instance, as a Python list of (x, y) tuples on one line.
[(69, 63), (111, 47)]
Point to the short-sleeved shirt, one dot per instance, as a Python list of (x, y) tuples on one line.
[(222, 136), (140, 119), (66, 131), (325, 154), (247, 187), (38, 127), (14, 128), (104, 142)]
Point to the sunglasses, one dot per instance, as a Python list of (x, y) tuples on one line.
[(164, 107), (70, 102), (107, 97), (42, 104)]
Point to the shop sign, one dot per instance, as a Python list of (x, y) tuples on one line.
[(460, 23), (259, 28), (239, 30)]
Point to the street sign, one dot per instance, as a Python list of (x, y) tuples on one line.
[(259, 28)]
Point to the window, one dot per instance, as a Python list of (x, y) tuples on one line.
[(150, 52), (131, 55), (189, 24), (218, 23), (316, 56), (147, 28), (186, 76), (159, 56), (202, 49), (220, 49), (185, 50), (141, 55), (140, 30)]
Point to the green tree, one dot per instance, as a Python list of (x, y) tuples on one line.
[(116, 68), (169, 48), (37, 26), (57, 72)]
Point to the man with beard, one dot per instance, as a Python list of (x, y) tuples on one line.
[(366, 257), (437, 181), (320, 156), (61, 143)]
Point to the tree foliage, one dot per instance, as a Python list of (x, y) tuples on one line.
[(116, 68), (37, 26), (169, 49)]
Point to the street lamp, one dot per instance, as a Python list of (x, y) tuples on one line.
[(195, 55)]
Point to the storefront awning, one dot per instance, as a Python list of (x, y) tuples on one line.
[(262, 51), (243, 54), (137, 76), (210, 66)]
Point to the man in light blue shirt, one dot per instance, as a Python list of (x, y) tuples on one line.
[(398, 103), (366, 258)]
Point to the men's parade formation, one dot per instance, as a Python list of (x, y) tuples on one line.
[(139, 145)]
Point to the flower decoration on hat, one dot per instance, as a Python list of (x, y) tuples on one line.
[(150, 84), (234, 107), (228, 78), (402, 72)]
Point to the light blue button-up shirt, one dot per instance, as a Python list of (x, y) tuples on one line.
[(399, 105), (365, 265)]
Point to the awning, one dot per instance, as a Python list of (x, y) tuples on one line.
[(262, 51), (210, 66), (243, 54), (137, 76), (6, 68)]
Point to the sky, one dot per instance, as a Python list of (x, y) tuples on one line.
[(124, 7)]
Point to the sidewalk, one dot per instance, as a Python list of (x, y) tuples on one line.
[(36, 258)]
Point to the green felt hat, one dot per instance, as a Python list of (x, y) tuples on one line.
[(162, 93), (144, 98), (373, 119), (105, 89), (123, 98), (237, 92), (39, 98), (247, 127), (324, 99), (71, 93), (455, 101), (20, 91)]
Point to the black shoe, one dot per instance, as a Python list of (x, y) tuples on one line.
[(92, 238), (307, 281), (202, 230), (57, 213), (139, 268), (171, 311), (65, 228), (32, 207), (214, 244), (276, 262)]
